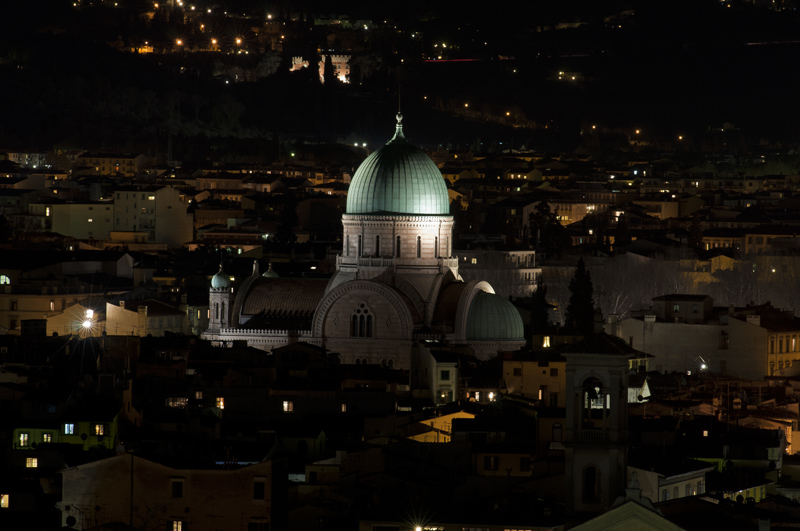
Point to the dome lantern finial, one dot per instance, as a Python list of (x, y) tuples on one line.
[(398, 132)]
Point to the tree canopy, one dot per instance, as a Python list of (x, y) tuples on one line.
[(580, 310)]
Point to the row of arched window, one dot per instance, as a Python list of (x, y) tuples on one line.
[(386, 362), (217, 308), (397, 251)]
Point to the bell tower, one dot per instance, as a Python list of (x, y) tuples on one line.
[(596, 434)]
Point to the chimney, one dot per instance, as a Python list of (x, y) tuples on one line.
[(122, 304)]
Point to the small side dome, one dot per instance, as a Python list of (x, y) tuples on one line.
[(220, 280), (493, 318), (270, 273)]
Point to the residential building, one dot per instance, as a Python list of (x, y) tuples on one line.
[(159, 211), (83, 221), (128, 488), (125, 164), (686, 333)]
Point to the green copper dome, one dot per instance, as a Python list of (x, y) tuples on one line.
[(220, 280), (398, 179), (491, 317)]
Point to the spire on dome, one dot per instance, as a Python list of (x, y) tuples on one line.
[(398, 132)]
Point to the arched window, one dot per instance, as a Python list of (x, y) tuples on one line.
[(419, 246), (360, 247), (347, 245), (436, 246), (590, 489), (361, 322), (397, 248), (378, 245), (216, 311), (5, 280)]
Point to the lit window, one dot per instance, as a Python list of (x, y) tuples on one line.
[(221, 402), (23, 439), (47, 211), (177, 525), (198, 395), (90, 220), (46, 437), (474, 260), (344, 408), (177, 401), (288, 406), (31, 462), (3, 501), (98, 429), (4, 280), (69, 429)]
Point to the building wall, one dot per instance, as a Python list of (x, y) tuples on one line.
[(83, 221), (160, 212), (528, 378), (90, 433), (120, 321), (680, 347), (102, 493), (174, 225), (16, 307), (654, 485)]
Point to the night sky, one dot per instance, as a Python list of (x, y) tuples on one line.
[(667, 68)]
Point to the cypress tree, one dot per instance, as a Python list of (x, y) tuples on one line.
[(580, 310), (539, 307)]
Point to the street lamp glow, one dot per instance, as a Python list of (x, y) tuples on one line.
[(238, 40), (637, 131), (87, 323), (179, 42)]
